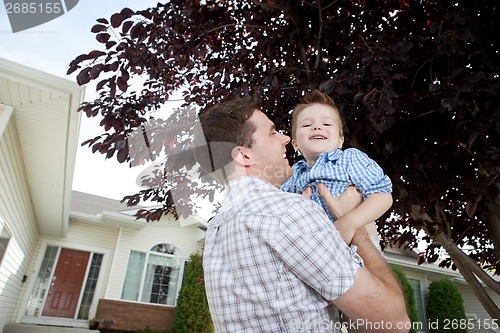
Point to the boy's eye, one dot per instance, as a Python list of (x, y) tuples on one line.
[(306, 125), (327, 124)]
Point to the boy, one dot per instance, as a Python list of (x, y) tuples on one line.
[(318, 135)]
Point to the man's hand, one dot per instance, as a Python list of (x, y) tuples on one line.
[(350, 199)]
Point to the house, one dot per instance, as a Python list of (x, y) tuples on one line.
[(63, 255), (67, 257), (420, 277)]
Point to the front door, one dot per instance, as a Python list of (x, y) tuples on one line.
[(66, 285)]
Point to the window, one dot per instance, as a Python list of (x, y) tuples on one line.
[(4, 240), (419, 302), (153, 277), (90, 286)]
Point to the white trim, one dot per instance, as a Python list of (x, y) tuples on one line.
[(111, 219), (38, 79), (6, 112), (72, 135), (113, 263), (425, 267)]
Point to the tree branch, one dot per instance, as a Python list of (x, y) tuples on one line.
[(493, 220), (320, 34), (288, 11), (469, 269)]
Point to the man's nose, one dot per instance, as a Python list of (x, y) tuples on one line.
[(286, 139)]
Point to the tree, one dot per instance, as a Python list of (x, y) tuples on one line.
[(445, 308), (417, 84), (411, 307), (192, 314)]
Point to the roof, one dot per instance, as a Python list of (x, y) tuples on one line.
[(112, 213), (47, 124)]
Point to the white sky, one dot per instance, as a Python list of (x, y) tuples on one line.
[(50, 48)]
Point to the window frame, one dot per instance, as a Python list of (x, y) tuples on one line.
[(422, 316), (146, 255)]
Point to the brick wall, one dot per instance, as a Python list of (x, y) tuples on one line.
[(128, 316)]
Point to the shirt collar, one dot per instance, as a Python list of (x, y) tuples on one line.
[(242, 186), (324, 157)]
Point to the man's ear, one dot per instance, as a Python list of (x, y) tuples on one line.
[(239, 156)]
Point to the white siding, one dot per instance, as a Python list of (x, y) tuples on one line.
[(143, 240), (472, 306), (17, 213), (474, 309)]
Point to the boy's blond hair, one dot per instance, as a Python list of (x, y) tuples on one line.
[(315, 97)]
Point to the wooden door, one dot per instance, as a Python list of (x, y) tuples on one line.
[(64, 291)]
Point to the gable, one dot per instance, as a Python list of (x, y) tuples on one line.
[(46, 124)]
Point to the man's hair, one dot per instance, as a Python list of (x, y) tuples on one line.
[(314, 97), (224, 127)]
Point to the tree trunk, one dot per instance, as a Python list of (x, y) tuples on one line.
[(466, 268)]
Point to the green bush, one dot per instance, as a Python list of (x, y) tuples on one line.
[(445, 308), (192, 314), (411, 307)]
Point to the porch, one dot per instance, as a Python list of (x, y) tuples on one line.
[(29, 328)]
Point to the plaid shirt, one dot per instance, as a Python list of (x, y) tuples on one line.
[(273, 262), (337, 170)]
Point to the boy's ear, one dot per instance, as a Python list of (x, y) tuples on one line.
[(295, 145), (341, 141)]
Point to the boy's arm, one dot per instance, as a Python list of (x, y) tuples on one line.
[(370, 209)]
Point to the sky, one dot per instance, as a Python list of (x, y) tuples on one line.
[(50, 48)]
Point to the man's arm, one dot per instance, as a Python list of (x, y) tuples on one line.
[(375, 301)]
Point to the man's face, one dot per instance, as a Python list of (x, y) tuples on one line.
[(268, 151), (318, 131)]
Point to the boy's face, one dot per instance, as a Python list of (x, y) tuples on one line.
[(318, 131)]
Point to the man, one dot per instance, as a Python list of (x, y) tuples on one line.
[(273, 262)]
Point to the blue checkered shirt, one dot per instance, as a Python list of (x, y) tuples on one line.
[(337, 170), (273, 262)]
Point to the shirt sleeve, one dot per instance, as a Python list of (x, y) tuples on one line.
[(288, 185), (366, 174), (313, 250)]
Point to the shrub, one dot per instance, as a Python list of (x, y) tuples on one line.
[(411, 307), (445, 307), (192, 314)]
